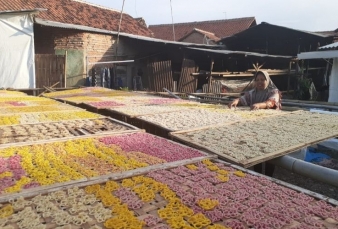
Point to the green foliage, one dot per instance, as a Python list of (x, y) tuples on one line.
[(304, 86)]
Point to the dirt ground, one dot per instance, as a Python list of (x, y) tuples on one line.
[(306, 183)]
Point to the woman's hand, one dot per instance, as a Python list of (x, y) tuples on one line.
[(255, 106), (258, 106), (234, 103)]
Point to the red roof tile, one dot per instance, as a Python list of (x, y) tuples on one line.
[(78, 13), (220, 28)]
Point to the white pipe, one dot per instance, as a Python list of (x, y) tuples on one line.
[(112, 62), (316, 172)]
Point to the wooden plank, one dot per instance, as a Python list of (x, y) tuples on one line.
[(164, 75), (187, 81), (170, 77), (156, 69)]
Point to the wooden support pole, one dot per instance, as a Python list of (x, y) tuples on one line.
[(210, 76), (289, 73)]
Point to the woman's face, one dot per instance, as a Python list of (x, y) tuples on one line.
[(261, 82)]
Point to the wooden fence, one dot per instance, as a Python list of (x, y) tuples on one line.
[(215, 87), (49, 70), (187, 83), (160, 76)]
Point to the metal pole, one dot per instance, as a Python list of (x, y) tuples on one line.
[(172, 20), (118, 33), (170, 93)]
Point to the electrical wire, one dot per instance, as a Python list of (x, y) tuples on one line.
[(118, 33)]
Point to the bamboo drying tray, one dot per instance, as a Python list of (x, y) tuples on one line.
[(34, 109), (226, 132), (44, 117), (150, 208), (114, 175), (65, 132), (193, 118), (146, 110)]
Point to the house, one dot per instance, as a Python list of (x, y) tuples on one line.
[(332, 33), (202, 31), (275, 40), (278, 40), (198, 35), (63, 29)]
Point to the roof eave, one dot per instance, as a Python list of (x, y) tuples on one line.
[(91, 29), (30, 11)]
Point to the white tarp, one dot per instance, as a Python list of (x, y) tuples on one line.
[(333, 82), (16, 51)]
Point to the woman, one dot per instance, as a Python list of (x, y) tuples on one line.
[(265, 94)]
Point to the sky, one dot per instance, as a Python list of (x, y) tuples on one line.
[(309, 15)]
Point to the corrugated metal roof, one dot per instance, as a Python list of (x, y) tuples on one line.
[(229, 52), (333, 46), (91, 29), (318, 55)]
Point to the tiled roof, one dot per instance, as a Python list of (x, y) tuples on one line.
[(79, 13), (220, 28)]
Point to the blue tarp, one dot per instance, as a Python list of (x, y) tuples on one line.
[(313, 156)]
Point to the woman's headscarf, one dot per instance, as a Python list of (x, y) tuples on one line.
[(259, 96), (270, 84)]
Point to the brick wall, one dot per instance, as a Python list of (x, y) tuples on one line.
[(48, 39), (79, 45)]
